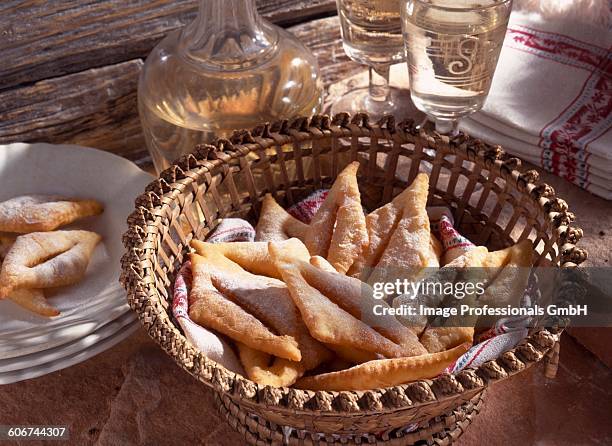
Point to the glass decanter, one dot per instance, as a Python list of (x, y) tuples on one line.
[(229, 69)]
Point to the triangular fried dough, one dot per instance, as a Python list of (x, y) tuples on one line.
[(504, 273), (357, 298), (408, 251), (520, 253), (267, 299), (251, 256), (47, 259), (382, 223), (508, 286), (34, 301), (326, 321), (276, 224), (267, 370), (41, 213), (211, 309), (384, 373), (466, 268), (338, 229), (31, 300), (439, 339)]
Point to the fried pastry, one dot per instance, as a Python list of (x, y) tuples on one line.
[(47, 259), (34, 301), (407, 251), (357, 298), (31, 300), (326, 321), (251, 256), (209, 308), (276, 224), (520, 253), (504, 273), (435, 247), (41, 213), (384, 373), (447, 274), (267, 299), (508, 286), (439, 339), (259, 368), (338, 229)]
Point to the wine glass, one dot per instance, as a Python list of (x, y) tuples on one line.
[(453, 47), (371, 35)]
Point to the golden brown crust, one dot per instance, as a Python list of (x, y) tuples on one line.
[(439, 339), (251, 256), (326, 321), (408, 250), (353, 355), (279, 373), (41, 213), (209, 308), (384, 373), (276, 224), (338, 229), (267, 299), (357, 298), (507, 287), (47, 259)]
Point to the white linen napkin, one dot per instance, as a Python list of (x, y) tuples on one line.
[(551, 99)]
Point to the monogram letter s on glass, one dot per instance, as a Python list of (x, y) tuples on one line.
[(229, 69)]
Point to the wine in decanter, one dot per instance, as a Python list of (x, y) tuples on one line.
[(228, 70)]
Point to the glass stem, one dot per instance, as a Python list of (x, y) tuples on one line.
[(446, 126), (379, 83)]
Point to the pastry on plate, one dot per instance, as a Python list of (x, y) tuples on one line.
[(47, 259), (40, 213)]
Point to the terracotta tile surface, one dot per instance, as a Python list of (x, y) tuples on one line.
[(135, 394)]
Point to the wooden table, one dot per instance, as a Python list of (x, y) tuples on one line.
[(69, 73)]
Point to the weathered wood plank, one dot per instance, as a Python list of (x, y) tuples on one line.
[(97, 107), (43, 39), (94, 108)]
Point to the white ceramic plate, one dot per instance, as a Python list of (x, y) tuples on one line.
[(90, 346), (57, 354), (98, 299)]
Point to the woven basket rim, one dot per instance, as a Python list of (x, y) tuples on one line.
[(138, 274), (446, 428)]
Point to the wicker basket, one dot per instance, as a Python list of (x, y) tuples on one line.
[(494, 204)]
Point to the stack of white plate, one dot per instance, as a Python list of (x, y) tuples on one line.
[(94, 313)]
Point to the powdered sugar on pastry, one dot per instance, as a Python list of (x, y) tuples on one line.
[(47, 259), (338, 229), (276, 224), (34, 213)]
